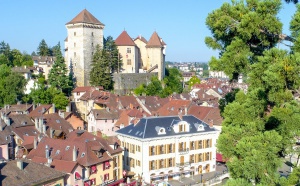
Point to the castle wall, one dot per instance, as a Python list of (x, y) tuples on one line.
[(129, 60), (124, 83)]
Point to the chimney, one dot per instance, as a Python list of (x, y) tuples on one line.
[(53, 107), (20, 164), (185, 110), (68, 108), (7, 120), (211, 123), (180, 116), (34, 142), (74, 154), (51, 132), (47, 152), (41, 125), (36, 123)]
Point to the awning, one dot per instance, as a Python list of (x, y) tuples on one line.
[(77, 176), (94, 168), (219, 158)]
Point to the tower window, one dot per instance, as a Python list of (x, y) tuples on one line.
[(74, 54), (92, 33), (74, 33), (128, 50), (128, 61), (92, 44), (74, 44)]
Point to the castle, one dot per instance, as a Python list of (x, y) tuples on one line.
[(140, 58)]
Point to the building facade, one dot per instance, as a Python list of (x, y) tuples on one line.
[(171, 147), (85, 32)]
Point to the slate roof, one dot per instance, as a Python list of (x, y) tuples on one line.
[(124, 40), (32, 174), (145, 128), (154, 41), (85, 17)]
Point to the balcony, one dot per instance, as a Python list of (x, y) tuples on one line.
[(185, 164), (183, 150)]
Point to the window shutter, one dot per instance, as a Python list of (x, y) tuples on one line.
[(157, 164), (184, 147), (107, 176), (173, 149), (197, 145), (167, 148), (103, 165), (150, 151), (210, 155), (173, 162), (210, 142)]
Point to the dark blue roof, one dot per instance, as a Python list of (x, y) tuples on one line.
[(145, 128)]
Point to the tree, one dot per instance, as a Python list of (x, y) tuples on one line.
[(60, 101), (43, 49), (194, 80), (11, 86), (113, 54), (262, 124), (100, 74), (58, 77), (173, 81), (154, 87)]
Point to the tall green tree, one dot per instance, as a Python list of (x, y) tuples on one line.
[(262, 124), (113, 54), (43, 49), (100, 74), (58, 76)]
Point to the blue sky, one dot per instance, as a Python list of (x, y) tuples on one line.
[(180, 23)]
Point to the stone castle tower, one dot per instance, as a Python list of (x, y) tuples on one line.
[(84, 32)]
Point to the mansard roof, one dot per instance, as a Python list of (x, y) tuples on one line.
[(85, 17), (124, 40), (154, 41), (146, 127)]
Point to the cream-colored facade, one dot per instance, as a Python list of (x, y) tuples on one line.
[(129, 58), (143, 58)]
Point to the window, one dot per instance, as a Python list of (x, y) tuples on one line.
[(200, 144), (106, 177), (128, 50), (105, 120), (74, 54), (92, 44), (170, 148), (92, 53), (192, 160), (152, 150), (92, 33), (181, 146), (93, 181), (162, 149), (180, 128), (106, 165), (170, 162), (207, 157), (192, 146), (200, 157), (208, 143), (93, 169), (128, 61), (152, 165), (74, 33)]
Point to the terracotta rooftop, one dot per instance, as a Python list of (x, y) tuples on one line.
[(124, 40), (86, 88), (85, 17), (32, 173), (154, 41), (206, 114), (39, 111), (174, 107), (101, 114), (141, 38)]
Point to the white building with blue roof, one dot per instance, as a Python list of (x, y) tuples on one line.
[(168, 147)]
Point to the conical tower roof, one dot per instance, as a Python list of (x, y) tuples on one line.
[(124, 40), (154, 41), (85, 17)]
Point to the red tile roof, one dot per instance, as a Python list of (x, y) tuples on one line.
[(141, 38), (124, 40), (154, 41), (39, 111), (173, 107), (64, 166), (206, 114), (85, 17), (86, 88)]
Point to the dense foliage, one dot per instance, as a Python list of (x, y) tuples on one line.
[(172, 83), (261, 125)]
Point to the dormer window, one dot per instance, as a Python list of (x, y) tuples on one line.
[(160, 130), (200, 127)]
